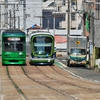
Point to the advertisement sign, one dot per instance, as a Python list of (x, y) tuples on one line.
[(61, 42), (60, 39)]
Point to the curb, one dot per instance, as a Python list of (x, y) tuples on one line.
[(58, 63), (62, 66)]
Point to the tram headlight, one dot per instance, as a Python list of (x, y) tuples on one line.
[(20, 53), (46, 55)]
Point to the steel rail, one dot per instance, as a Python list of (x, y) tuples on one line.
[(14, 84)]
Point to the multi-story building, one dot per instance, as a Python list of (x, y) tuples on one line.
[(75, 14), (48, 8), (25, 13), (96, 34), (59, 9)]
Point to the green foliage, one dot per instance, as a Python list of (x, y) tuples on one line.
[(95, 66), (87, 23), (88, 62)]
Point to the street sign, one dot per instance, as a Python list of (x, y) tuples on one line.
[(91, 49), (77, 42)]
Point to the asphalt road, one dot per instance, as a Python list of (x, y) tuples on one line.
[(81, 71)]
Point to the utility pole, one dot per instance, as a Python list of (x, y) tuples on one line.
[(48, 24), (0, 33), (0, 16), (14, 17), (90, 45), (54, 17), (68, 30), (6, 12), (18, 22), (54, 24), (24, 14), (10, 23)]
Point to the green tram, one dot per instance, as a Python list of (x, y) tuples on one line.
[(42, 48), (13, 47)]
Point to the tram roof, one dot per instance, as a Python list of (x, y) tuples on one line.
[(13, 31), (61, 32), (41, 32)]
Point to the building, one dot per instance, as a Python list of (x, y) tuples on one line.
[(58, 9), (48, 9), (20, 13), (93, 28)]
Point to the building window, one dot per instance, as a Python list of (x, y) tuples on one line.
[(97, 5), (27, 15), (73, 17), (64, 2), (73, 2)]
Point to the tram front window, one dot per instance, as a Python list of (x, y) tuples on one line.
[(19, 46), (13, 46), (10, 45), (42, 45)]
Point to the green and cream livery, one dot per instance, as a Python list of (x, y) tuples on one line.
[(42, 48)]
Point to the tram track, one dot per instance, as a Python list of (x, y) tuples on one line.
[(71, 97), (15, 85), (16, 74), (58, 71), (31, 81), (54, 71), (8, 90), (58, 79)]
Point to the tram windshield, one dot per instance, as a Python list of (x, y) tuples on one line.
[(42, 45), (14, 44)]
